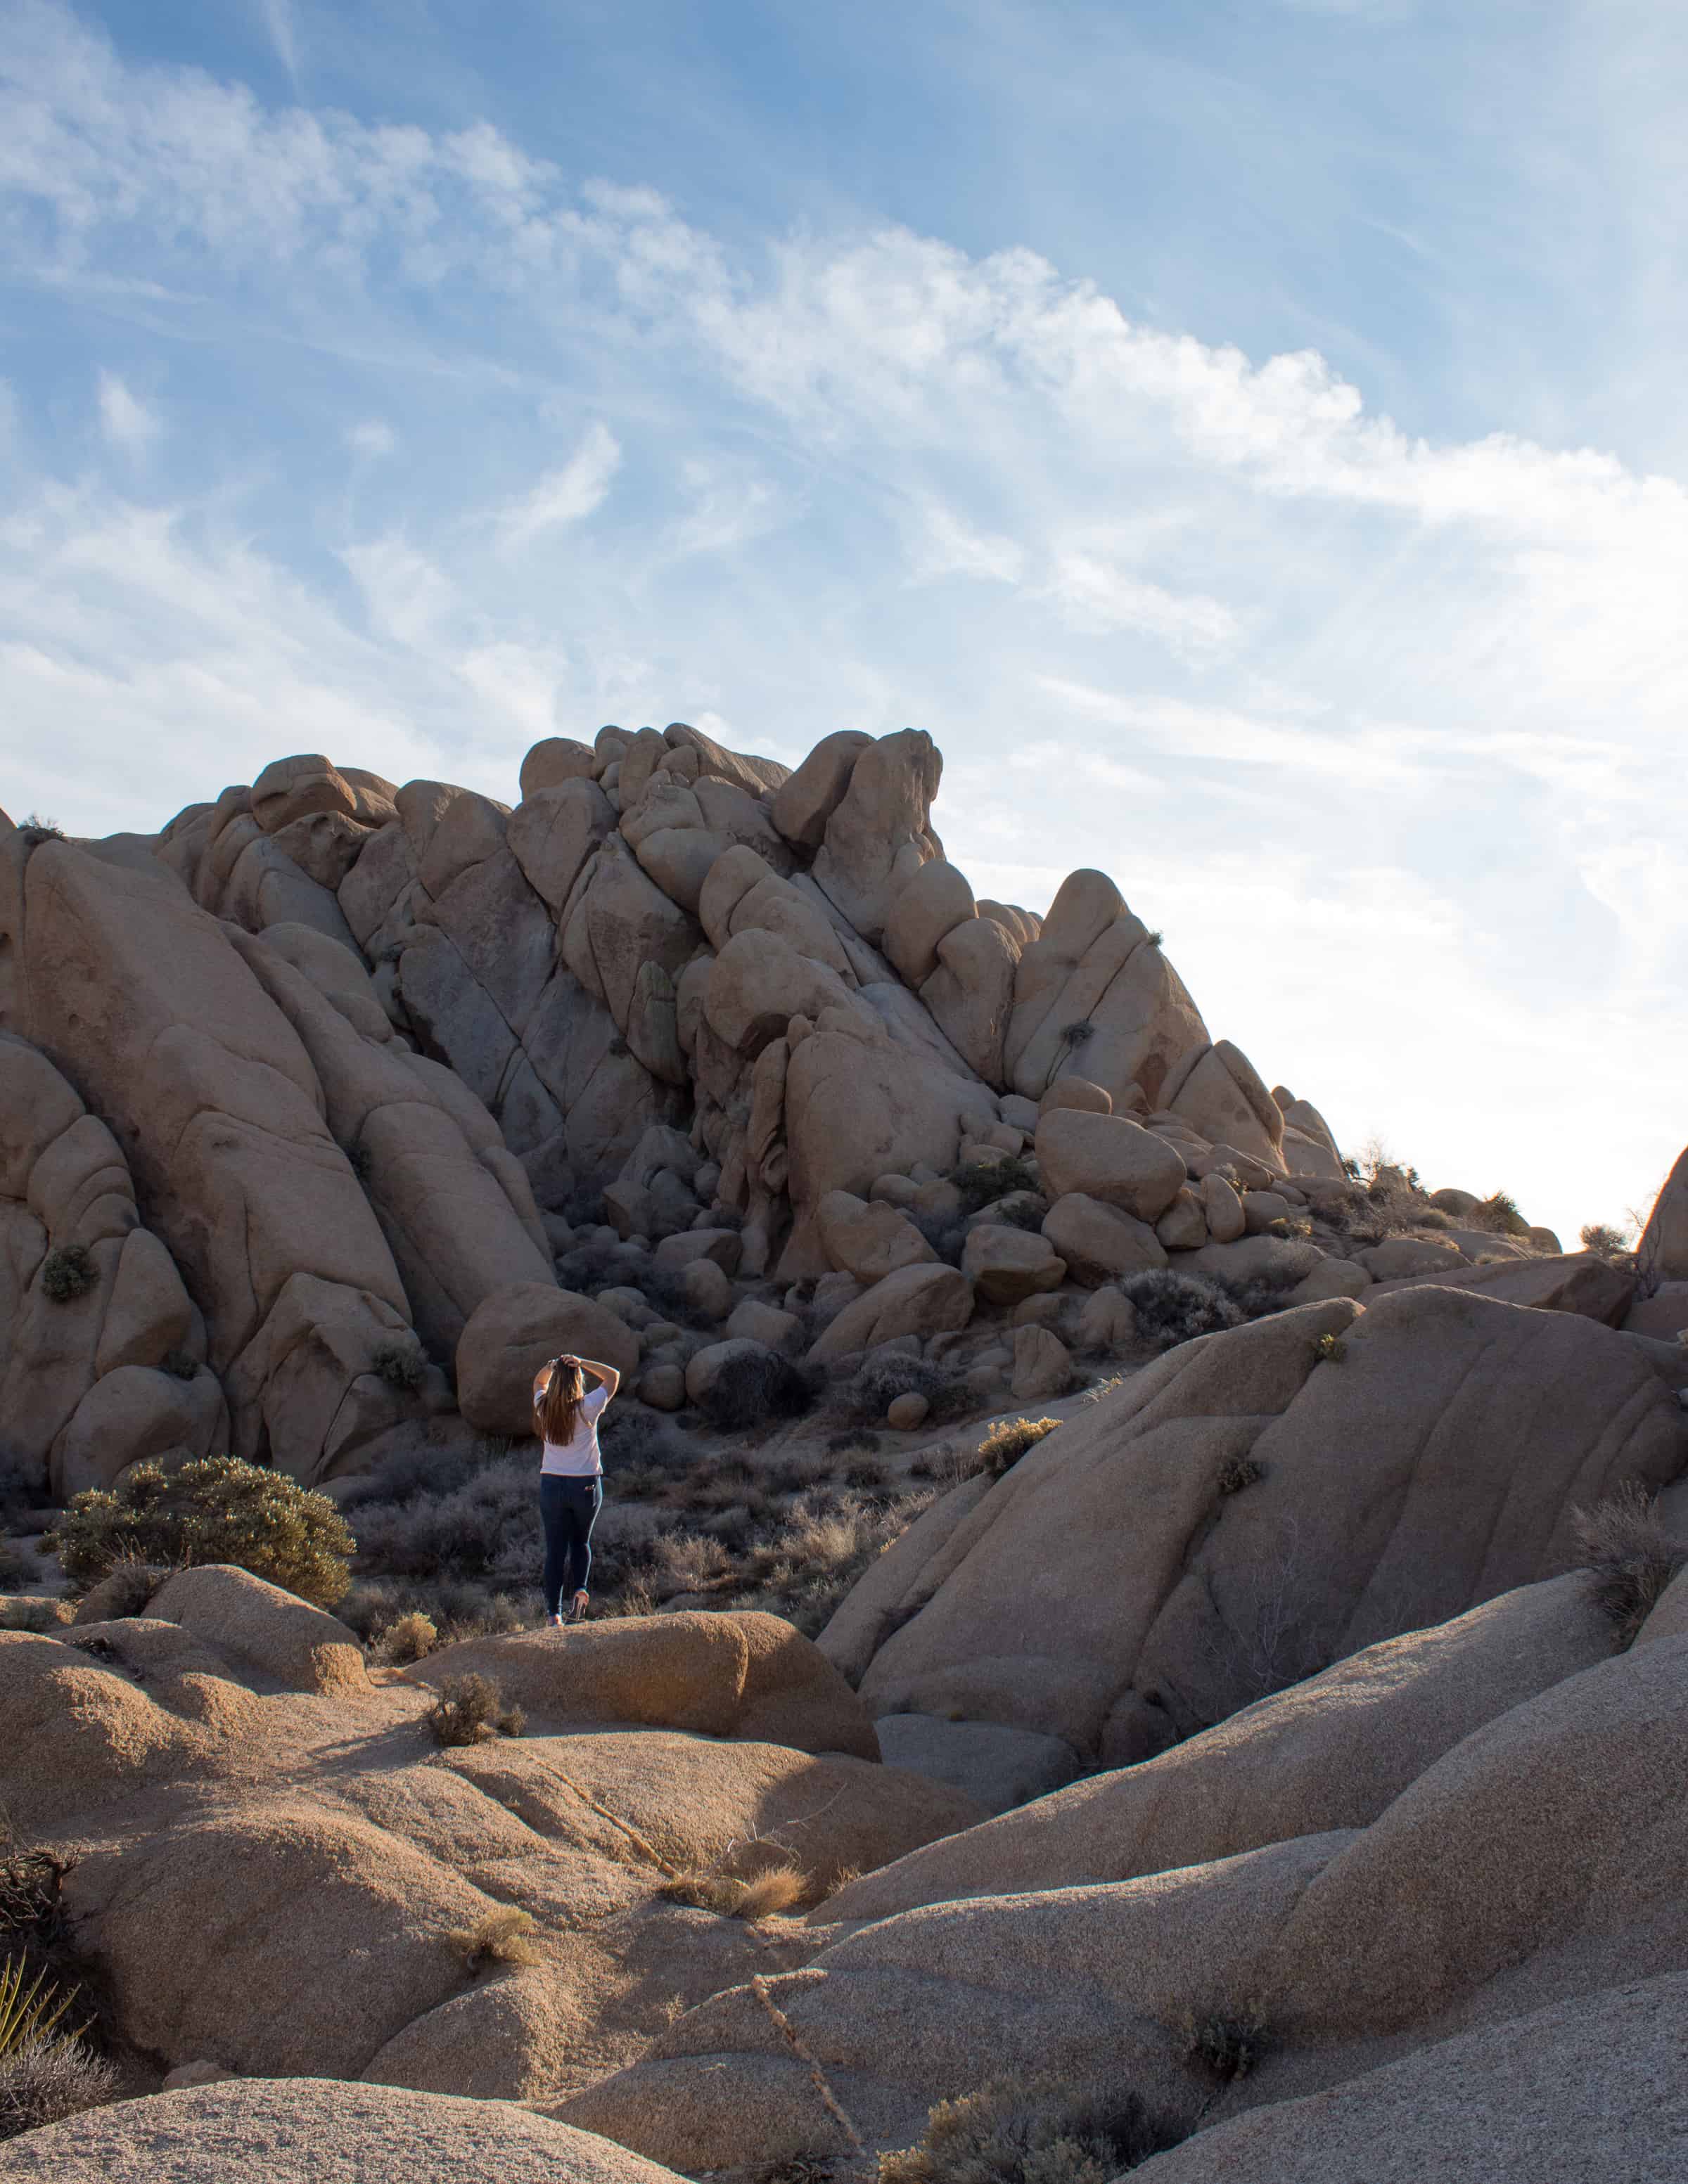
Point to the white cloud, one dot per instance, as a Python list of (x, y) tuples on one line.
[(941, 544), (123, 418), (371, 438), (566, 495), (1092, 595)]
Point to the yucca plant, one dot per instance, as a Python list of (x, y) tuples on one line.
[(30, 2012)]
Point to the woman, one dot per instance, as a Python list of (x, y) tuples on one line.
[(570, 1475)]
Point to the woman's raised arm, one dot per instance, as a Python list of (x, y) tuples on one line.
[(606, 1373)]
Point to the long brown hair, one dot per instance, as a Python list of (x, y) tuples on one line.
[(557, 1412)]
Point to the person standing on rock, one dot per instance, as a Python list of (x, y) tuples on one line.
[(570, 1475)]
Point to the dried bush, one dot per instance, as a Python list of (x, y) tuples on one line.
[(470, 1710), (128, 1587), (43, 2081), (1173, 1308), (215, 1510), (35, 830), (458, 1607), (36, 1615), (946, 1233), (1004, 1445), (1500, 1212), (1605, 1241), (981, 1182), (408, 1638), (1239, 1472), (67, 1273), (179, 1365), (400, 1364), (504, 1936), (802, 1569), (1330, 1349), (1630, 1558), (1028, 1212), (22, 1486), (16, 1568), (1221, 2046), (769, 1894), (749, 1389), (881, 1380), (1031, 2130)]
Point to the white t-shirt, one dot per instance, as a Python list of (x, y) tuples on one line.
[(580, 1458)]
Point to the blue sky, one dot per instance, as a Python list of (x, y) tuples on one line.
[(1248, 438)]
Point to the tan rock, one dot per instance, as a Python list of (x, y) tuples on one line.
[(766, 1323), (1225, 1101), (1108, 1321), (868, 1239), (513, 1334), (905, 1412), (1068, 1091), (1183, 1226), (877, 836), (1099, 1241), (1042, 1365), (292, 788), (1577, 1283), (970, 994), (807, 799), (1005, 1265), (1107, 1157), (259, 1627), (758, 982), (1331, 1277), (920, 1300), (933, 902), (553, 831), (707, 1289), (555, 761), (1400, 1255), (662, 1386), (1223, 1209)]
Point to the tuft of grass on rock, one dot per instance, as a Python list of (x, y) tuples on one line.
[(470, 1710), (1005, 1443), (400, 1364), (1628, 1557), (772, 1893), (1239, 1472), (1222, 2046), (503, 1937), (408, 1638), (981, 1183), (1031, 2130)]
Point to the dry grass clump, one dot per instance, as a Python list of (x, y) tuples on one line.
[(1330, 1349), (774, 1892), (1006, 1442), (879, 1382), (1629, 1559), (1499, 1212), (1221, 2046), (1605, 1241), (53, 2017), (503, 1937), (43, 2081), (1031, 2130), (215, 1510), (750, 1390), (1173, 1308), (38, 1616), (67, 1273), (981, 1183), (470, 1710)]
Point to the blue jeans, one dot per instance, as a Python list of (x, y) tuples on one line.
[(568, 1509)]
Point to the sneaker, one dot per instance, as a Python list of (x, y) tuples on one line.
[(556, 1622), (576, 1614)]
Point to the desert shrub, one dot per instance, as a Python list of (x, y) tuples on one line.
[(583, 1208), (67, 1273), (128, 1587), (1024, 1213), (1605, 1241), (400, 1364), (215, 1510), (946, 1233), (42, 1616), (21, 1488), (43, 2081), (1172, 1308), (16, 1568), (881, 1380), (1004, 1445), (35, 830), (852, 1438), (1260, 1294), (1433, 1217), (1630, 1558), (504, 1936), (1155, 936), (179, 1365), (1041, 2130), (1221, 2046), (407, 1638), (803, 1568), (776, 1890), (749, 1389), (1330, 1349), (981, 1182), (1239, 1472), (361, 1163), (457, 1607), (1500, 1212), (470, 1710)]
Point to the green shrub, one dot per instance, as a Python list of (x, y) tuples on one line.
[(67, 1273), (1330, 1349), (400, 1364), (1172, 1308), (1040, 2130), (217, 1510), (1500, 1212), (981, 1183), (35, 830), (1221, 2046)]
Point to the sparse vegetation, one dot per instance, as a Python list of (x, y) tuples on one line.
[(1499, 1212), (178, 1364), (470, 1710), (1221, 2046), (400, 1364), (878, 1385), (981, 1182), (35, 830), (504, 1936), (54, 2016), (1330, 1349), (215, 1510), (750, 1390), (1173, 1308), (1630, 1558), (1239, 1472), (409, 1638), (1041, 2130), (43, 2081), (67, 1273), (1604, 1241), (1005, 1443), (1077, 1034), (359, 1161), (776, 1890)]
